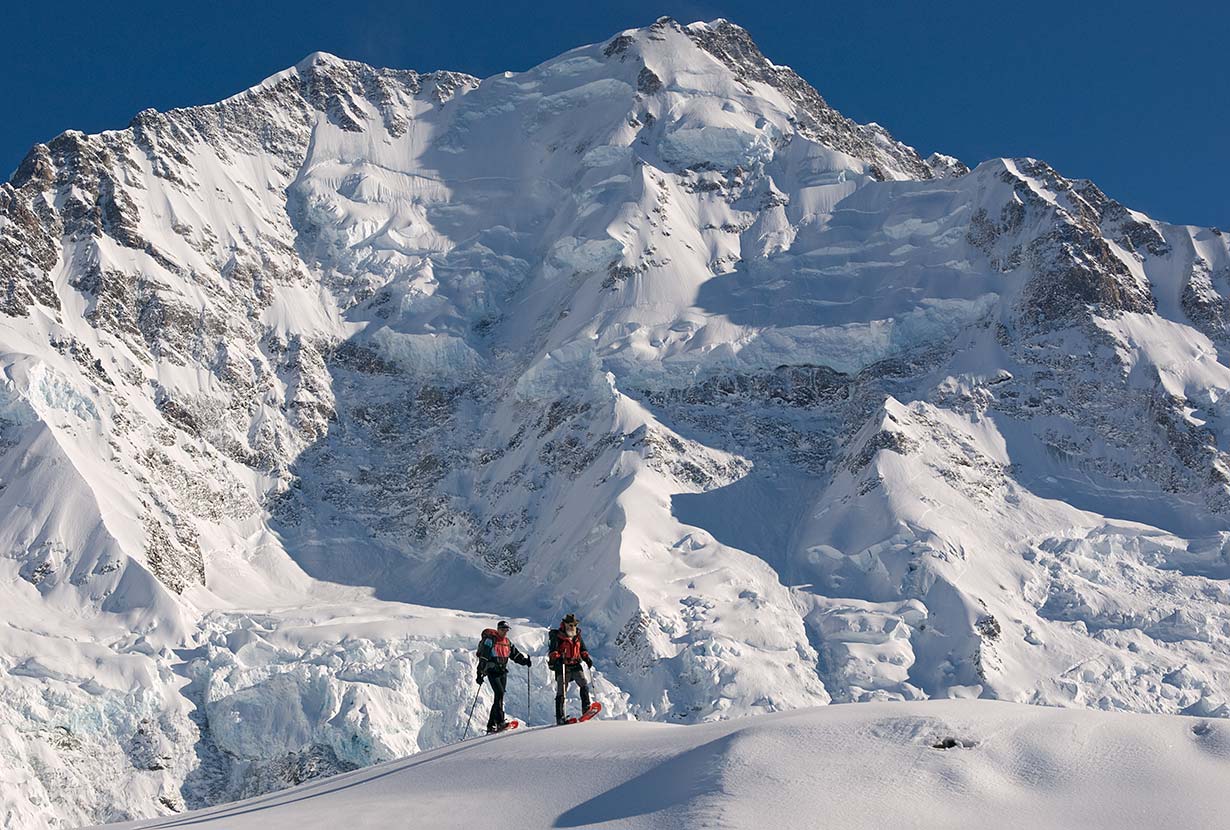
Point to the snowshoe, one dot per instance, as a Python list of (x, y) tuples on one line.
[(594, 708), (508, 724)]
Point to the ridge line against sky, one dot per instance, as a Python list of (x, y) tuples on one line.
[(1135, 98)]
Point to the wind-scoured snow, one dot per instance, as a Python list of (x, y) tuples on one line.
[(301, 390), (939, 764)]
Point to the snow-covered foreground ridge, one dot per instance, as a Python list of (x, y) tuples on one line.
[(649, 332), (940, 764)]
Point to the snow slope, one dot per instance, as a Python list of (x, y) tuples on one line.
[(302, 389), (868, 766)]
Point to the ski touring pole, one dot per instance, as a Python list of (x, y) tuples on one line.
[(527, 694), (470, 716)]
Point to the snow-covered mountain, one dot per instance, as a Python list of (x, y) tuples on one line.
[(785, 412)]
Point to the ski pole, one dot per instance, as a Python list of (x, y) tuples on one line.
[(470, 716), (527, 694)]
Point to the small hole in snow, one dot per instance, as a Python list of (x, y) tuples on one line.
[(954, 743)]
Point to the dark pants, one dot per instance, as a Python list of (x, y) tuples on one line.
[(563, 676), (499, 682)]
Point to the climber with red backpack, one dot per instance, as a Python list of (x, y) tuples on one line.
[(567, 652), (494, 652)]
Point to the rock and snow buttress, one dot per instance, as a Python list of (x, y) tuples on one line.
[(788, 413)]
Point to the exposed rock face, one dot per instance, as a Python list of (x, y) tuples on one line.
[(29, 244), (648, 332)]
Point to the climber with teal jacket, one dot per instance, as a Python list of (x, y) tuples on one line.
[(494, 652)]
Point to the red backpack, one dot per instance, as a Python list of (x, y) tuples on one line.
[(500, 647)]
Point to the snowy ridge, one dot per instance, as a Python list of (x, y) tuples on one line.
[(927, 765), (785, 412)]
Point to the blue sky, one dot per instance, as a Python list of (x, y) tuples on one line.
[(1133, 95)]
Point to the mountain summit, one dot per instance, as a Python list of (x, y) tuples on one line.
[(786, 413)]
